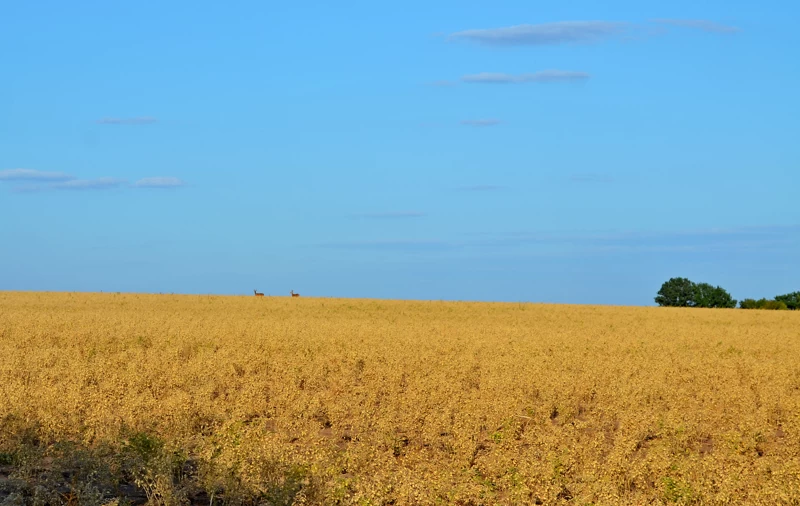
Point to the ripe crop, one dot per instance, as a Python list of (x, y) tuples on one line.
[(264, 400)]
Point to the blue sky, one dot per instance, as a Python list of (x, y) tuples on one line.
[(503, 150)]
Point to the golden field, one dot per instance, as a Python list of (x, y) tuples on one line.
[(245, 400)]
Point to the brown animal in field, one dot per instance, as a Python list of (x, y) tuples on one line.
[(294, 294), (258, 294)]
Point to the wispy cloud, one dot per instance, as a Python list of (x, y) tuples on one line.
[(159, 182), (591, 178), (42, 181), (28, 188), (143, 120), (564, 32), (32, 175), (391, 215), (399, 245), (544, 76), (442, 83), (699, 24), (103, 183), (480, 122), (560, 243), (690, 240), (481, 188)]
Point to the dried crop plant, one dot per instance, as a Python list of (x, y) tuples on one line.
[(243, 400)]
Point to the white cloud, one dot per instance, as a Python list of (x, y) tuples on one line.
[(544, 34), (102, 183), (143, 120), (480, 122), (443, 83), (591, 178), (42, 181), (400, 245), (699, 24), (482, 188), (392, 214), (544, 76), (32, 175), (159, 182), (28, 188)]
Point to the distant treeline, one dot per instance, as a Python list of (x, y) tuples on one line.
[(681, 292)]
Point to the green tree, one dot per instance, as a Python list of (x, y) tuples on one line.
[(792, 300), (706, 295), (677, 292), (681, 292)]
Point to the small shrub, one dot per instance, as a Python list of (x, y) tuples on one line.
[(762, 304)]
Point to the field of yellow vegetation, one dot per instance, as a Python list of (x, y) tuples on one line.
[(245, 400)]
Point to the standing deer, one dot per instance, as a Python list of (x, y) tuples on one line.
[(294, 294), (258, 294)]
